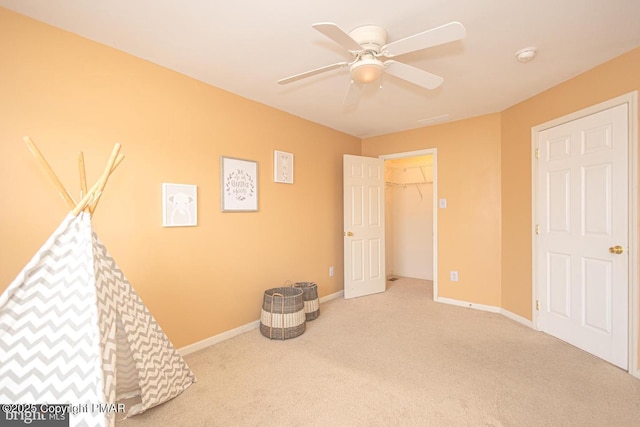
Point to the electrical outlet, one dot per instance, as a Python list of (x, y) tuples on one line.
[(331, 271), (453, 276)]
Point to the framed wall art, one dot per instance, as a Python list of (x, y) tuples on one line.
[(179, 205), (238, 185), (283, 167)]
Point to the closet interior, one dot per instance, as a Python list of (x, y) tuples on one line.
[(409, 217)]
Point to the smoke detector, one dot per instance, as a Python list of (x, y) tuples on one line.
[(526, 54)]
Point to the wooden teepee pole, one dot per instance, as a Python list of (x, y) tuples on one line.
[(94, 203), (83, 175), (83, 181), (92, 195), (52, 175)]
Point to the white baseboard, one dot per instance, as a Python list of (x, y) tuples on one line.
[(516, 318), (329, 297), (489, 308), (468, 304), (208, 342)]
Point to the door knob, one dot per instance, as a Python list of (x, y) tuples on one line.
[(616, 249), (348, 233)]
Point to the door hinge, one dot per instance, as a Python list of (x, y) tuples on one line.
[(537, 228), (537, 305), (537, 153)]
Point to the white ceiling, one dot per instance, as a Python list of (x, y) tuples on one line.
[(245, 47)]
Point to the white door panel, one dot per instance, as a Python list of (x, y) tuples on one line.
[(364, 248), (582, 210), (559, 284)]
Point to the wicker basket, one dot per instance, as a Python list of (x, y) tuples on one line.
[(282, 315), (311, 301)]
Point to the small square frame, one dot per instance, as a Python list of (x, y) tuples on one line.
[(282, 167), (238, 185)]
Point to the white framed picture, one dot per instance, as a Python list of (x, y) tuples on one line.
[(238, 185), (283, 167), (179, 205)]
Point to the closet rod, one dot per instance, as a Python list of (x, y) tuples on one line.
[(417, 184)]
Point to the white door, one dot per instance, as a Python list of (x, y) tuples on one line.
[(582, 246), (364, 248)]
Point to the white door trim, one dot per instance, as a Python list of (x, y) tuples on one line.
[(631, 99), (433, 152)]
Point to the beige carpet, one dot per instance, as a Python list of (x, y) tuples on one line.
[(399, 359)]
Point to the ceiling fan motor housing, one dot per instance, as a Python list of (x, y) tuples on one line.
[(367, 68), (370, 37)]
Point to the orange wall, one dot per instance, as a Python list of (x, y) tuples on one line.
[(468, 174), (616, 77), (70, 95)]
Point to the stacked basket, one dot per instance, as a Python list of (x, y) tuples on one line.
[(285, 310), (310, 297)]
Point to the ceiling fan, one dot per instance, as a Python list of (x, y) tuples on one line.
[(370, 50)]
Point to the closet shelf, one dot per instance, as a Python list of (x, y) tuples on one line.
[(411, 183), (404, 185)]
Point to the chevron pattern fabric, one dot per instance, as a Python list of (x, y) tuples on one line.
[(49, 338), (73, 331), (144, 351)]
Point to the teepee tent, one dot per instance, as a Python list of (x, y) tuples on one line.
[(73, 331)]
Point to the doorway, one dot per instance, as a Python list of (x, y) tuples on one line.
[(410, 215)]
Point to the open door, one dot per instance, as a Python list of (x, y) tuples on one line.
[(364, 245)]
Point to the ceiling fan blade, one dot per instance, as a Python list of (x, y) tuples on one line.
[(336, 34), (352, 97), (436, 36), (312, 72), (413, 75)]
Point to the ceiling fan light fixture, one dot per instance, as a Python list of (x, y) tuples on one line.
[(366, 70)]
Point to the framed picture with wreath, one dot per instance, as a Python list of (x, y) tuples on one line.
[(238, 185)]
